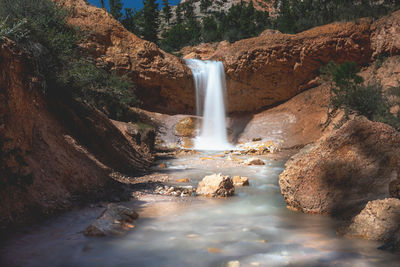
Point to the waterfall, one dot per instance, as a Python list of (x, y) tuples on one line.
[(209, 79)]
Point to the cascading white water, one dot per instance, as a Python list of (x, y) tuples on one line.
[(209, 78)]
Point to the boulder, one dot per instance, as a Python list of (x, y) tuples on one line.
[(340, 174), (186, 127), (240, 181), (115, 220), (379, 220), (216, 185), (254, 161)]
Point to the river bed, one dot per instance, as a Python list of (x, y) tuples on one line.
[(253, 228)]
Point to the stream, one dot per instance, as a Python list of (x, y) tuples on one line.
[(253, 228)]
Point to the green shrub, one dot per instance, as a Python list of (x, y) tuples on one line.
[(106, 91), (54, 47), (349, 92), (14, 31)]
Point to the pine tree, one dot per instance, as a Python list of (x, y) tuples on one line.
[(204, 5), (166, 11), (178, 14), (116, 8), (150, 15), (128, 20)]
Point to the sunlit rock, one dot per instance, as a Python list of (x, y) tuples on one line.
[(216, 185), (254, 161), (186, 127), (377, 221), (240, 181)]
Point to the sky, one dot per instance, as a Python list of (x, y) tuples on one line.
[(138, 4)]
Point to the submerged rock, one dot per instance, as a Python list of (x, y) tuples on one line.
[(254, 161), (216, 185), (115, 220), (377, 221), (240, 181), (183, 180)]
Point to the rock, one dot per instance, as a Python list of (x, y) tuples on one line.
[(186, 127), (164, 82), (183, 180), (115, 220), (49, 146), (254, 161), (394, 188), (385, 37), (232, 264), (214, 250), (187, 143), (341, 173), (240, 181), (393, 244), (216, 185), (274, 67), (182, 191), (377, 221)]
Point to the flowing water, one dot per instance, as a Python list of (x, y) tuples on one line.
[(209, 79), (253, 228)]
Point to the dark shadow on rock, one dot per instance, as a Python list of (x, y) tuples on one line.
[(237, 124)]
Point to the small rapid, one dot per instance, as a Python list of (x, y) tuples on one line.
[(209, 79)]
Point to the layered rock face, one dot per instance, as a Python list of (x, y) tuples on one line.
[(53, 153), (261, 71), (273, 67), (165, 83), (340, 174)]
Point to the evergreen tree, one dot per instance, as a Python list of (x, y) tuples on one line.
[(116, 8), (150, 17), (129, 20), (210, 30), (204, 5), (166, 11), (178, 14)]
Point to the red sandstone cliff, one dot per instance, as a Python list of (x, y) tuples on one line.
[(53, 152)]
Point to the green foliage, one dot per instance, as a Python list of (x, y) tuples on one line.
[(14, 31), (210, 30), (349, 92), (204, 5), (107, 92), (58, 61), (116, 8), (167, 14), (299, 15), (150, 17), (241, 21)]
